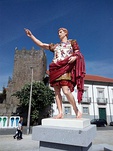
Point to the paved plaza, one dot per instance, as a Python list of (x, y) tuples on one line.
[(103, 138), (8, 143)]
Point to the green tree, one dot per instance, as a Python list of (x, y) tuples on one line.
[(42, 99), (3, 95)]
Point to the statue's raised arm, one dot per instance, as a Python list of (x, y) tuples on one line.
[(37, 41)]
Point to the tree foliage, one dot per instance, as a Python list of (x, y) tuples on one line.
[(3, 95), (42, 98)]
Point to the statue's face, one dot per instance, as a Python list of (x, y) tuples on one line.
[(62, 34)]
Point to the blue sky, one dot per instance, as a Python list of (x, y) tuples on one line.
[(90, 22)]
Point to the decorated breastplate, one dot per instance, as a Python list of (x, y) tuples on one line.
[(62, 51)]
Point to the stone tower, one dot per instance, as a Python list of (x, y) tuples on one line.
[(23, 61)]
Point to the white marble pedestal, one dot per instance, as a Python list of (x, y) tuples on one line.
[(64, 134)]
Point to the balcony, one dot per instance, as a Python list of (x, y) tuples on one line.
[(101, 101), (86, 100)]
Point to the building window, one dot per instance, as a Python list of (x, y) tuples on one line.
[(64, 99), (100, 93), (86, 99), (100, 96), (85, 110), (67, 110), (85, 94)]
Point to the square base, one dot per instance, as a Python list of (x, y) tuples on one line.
[(66, 122)]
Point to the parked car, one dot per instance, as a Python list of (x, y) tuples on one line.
[(111, 123), (99, 122)]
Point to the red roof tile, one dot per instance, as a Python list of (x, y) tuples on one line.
[(98, 78)]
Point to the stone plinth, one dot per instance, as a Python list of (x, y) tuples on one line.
[(66, 122), (64, 137)]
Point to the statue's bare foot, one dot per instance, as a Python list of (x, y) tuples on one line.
[(79, 114), (59, 116)]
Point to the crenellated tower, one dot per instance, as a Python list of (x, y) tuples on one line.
[(23, 61)]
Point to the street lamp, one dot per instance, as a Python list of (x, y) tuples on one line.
[(29, 110)]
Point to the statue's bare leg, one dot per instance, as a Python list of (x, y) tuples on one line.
[(71, 99), (58, 102)]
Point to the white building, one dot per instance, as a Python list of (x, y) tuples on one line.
[(97, 99)]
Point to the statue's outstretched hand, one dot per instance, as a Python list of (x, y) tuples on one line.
[(28, 32)]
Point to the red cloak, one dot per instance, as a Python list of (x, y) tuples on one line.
[(77, 70)]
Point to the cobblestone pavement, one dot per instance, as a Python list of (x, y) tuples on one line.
[(7, 143), (103, 139)]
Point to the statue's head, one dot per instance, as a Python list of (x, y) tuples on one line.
[(64, 29)]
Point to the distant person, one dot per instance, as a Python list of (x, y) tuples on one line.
[(66, 70), (18, 134)]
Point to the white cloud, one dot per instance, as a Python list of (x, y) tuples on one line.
[(101, 68)]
